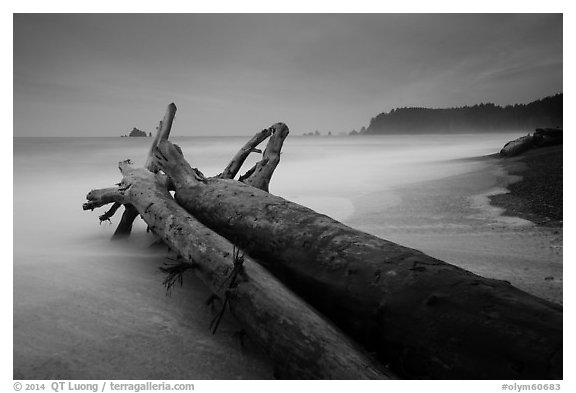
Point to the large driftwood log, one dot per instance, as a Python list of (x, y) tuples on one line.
[(301, 342), (425, 317), (542, 137), (517, 146)]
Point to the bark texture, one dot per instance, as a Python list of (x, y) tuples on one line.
[(424, 317), (250, 147), (259, 176), (130, 213), (517, 146), (301, 342), (162, 134)]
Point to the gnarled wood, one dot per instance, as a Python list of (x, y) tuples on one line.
[(102, 197), (259, 176), (163, 132), (250, 147), (427, 318), (110, 212), (124, 228), (301, 342)]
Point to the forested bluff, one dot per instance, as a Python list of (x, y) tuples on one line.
[(485, 117)]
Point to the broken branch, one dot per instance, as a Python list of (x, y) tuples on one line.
[(250, 147), (259, 176)]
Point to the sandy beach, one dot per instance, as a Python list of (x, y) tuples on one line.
[(454, 219), (537, 193), (79, 325), (85, 308)]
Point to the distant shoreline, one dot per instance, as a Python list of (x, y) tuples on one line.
[(538, 195)]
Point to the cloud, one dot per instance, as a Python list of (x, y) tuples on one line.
[(332, 71)]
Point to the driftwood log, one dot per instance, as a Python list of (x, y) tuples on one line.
[(542, 137), (548, 137), (302, 343), (130, 213), (517, 146), (424, 317)]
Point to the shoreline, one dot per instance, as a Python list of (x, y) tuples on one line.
[(453, 219), (537, 195)]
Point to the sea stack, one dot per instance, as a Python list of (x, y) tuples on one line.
[(136, 132)]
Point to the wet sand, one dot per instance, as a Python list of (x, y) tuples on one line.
[(537, 196), (452, 219), (110, 318)]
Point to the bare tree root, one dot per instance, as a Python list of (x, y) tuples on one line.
[(109, 213), (125, 226), (174, 274)]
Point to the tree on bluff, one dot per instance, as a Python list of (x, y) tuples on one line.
[(546, 112)]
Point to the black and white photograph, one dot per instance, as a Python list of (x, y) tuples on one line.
[(287, 196)]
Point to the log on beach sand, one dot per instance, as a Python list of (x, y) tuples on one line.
[(542, 137), (301, 342), (517, 146), (424, 317), (548, 137)]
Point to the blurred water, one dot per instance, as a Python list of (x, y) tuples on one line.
[(88, 308)]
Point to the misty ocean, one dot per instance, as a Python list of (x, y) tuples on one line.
[(88, 308)]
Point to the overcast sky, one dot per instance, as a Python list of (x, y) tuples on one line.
[(101, 75)]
